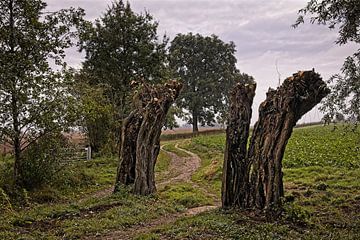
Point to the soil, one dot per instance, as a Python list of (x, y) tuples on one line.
[(180, 170)]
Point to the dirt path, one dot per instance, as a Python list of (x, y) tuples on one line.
[(180, 170)]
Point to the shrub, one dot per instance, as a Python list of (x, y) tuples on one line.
[(296, 214), (5, 204), (42, 161)]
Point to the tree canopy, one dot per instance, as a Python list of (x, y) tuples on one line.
[(206, 65), (343, 15), (34, 95), (121, 46)]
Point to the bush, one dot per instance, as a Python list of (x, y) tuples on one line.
[(5, 204), (296, 214), (42, 161)]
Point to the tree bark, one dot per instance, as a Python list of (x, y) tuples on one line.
[(127, 153), (195, 120), (156, 102), (278, 115), (16, 137), (235, 169)]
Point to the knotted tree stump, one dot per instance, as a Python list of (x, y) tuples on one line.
[(141, 132), (235, 181), (254, 179), (127, 154)]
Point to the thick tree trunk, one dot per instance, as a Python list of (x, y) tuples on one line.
[(278, 115), (156, 103), (127, 152), (235, 169)]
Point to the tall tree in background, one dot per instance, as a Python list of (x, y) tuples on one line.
[(343, 15), (34, 97), (206, 65), (120, 47)]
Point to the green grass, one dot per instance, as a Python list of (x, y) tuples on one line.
[(162, 165), (229, 225), (71, 221), (322, 187), (323, 146), (321, 175), (67, 217), (170, 147), (185, 194)]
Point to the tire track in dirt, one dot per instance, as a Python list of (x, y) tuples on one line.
[(181, 169)]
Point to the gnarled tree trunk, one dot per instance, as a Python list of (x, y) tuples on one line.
[(127, 153), (235, 169), (140, 136), (158, 101), (278, 115)]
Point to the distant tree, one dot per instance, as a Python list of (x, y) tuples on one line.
[(35, 100), (96, 114), (206, 65), (343, 15), (120, 47)]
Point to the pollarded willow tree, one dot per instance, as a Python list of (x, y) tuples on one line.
[(140, 142), (252, 176), (35, 99)]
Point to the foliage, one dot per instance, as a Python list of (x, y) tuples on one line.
[(5, 204), (319, 146), (345, 93), (35, 99), (96, 112), (121, 46), (344, 15), (206, 65), (42, 160), (308, 147)]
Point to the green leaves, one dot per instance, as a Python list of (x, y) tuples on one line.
[(345, 16), (36, 98), (120, 47), (206, 65)]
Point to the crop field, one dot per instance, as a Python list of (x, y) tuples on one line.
[(322, 196), (322, 189)]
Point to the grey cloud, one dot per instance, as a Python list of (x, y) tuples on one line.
[(261, 30)]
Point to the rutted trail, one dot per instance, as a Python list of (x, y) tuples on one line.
[(180, 169)]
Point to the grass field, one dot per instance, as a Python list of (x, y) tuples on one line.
[(322, 185)]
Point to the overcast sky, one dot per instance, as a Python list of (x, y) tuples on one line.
[(260, 29)]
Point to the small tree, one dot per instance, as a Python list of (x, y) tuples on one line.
[(206, 66), (344, 16), (35, 100)]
